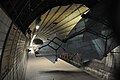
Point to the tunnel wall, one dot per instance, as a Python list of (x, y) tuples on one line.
[(5, 22), (13, 57), (103, 69), (107, 67)]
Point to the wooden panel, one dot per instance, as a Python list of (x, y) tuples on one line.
[(58, 18)]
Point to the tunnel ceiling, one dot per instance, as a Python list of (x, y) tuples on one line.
[(24, 12), (59, 20)]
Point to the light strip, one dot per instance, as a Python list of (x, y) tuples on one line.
[(32, 40)]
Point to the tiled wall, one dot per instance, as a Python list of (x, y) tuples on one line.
[(5, 22), (13, 59)]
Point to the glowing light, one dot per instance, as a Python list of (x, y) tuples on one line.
[(37, 27)]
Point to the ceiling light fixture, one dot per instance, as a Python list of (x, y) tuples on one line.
[(37, 27)]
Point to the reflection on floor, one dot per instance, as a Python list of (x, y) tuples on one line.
[(40, 68)]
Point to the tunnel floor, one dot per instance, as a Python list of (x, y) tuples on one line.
[(40, 68)]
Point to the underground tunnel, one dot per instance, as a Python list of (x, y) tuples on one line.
[(59, 40)]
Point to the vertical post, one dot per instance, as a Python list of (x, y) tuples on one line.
[(105, 51), (56, 56)]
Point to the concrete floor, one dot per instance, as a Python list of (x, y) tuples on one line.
[(40, 68)]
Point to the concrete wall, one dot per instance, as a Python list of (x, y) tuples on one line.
[(13, 57)]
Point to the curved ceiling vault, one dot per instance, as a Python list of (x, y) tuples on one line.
[(59, 20), (24, 12)]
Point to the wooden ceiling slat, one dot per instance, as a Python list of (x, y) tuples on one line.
[(51, 17), (45, 19), (49, 26), (64, 28), (52, 28), (46, 35), (42, 19), (69, 22), (65, 22), (56, 15)]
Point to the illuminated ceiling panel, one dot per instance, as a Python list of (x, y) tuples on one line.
[(59, 20)]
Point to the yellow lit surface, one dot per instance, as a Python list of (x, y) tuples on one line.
[(64, 17)]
